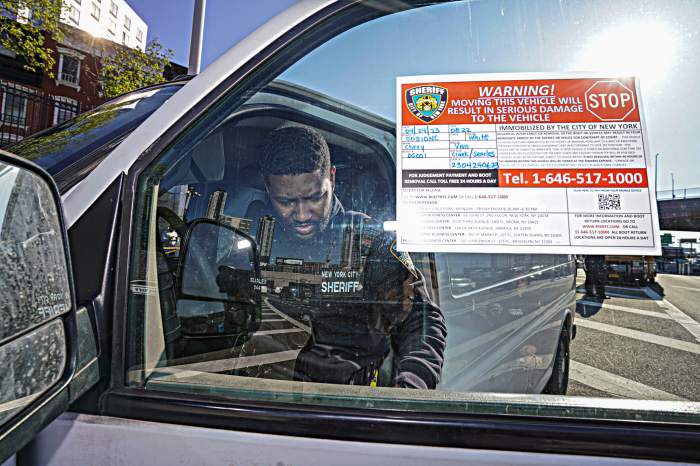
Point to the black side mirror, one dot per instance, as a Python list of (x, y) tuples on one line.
[(219, 280), (37, 312)]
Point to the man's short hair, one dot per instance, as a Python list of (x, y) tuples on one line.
[(295, 150)]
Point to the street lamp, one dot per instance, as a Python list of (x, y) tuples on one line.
[(197, 35)]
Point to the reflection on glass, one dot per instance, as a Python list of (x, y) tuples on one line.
[(330, 300), (33, 274), (30, 365)]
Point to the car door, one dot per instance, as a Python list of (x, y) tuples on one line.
[(44, 343)]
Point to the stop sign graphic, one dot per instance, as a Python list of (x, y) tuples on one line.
[(610, 100)]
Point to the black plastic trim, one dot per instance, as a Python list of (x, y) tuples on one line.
[(623, 439)]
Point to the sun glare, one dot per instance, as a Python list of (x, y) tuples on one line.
[(643, 49)]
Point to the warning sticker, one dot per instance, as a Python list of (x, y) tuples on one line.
[(523, 163)]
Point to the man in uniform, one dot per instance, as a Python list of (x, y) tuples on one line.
[(379, 327)]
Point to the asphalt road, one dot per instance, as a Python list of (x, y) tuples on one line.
[(642, 343)]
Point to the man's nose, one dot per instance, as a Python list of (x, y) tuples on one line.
[(301, 212)]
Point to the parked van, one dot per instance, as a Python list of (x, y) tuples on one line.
[(147, 288)]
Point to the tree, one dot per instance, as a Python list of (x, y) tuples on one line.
[(24, 26), (128, 69)]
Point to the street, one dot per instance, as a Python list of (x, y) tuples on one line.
[(642, 343)]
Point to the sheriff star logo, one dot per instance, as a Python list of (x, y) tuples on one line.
[(426, 102)]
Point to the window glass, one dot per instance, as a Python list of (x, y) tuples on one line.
[(64, 108), (74, 14), (70, 69), (59, 147), (14, 109), (95, 11), (264, 262)]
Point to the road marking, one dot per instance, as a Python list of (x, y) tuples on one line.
[(284, 320), (285, 316), (615, 384), (615, 293), (691, 288), (683, 278), (229, 364), (278, 331), (615, 307), (642, 336), (676, 314)]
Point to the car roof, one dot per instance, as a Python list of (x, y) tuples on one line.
[(78, 199)]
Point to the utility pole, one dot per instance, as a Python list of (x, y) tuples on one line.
[(197, 35), (656, 175), (673, 187)]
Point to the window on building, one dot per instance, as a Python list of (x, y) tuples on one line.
[(7, 52), (74, 14), (139, 35), (125, 38), (127, 23), (24, 15), (95, 12), (113, 9), (64, 108), (79, 2), (14, 106), (112, 29), (69, 69)]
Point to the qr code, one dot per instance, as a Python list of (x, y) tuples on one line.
[(609, 202)]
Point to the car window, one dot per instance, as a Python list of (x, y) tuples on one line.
[(264, 261), (79, 144)]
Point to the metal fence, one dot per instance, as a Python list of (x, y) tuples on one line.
[(24, 111)]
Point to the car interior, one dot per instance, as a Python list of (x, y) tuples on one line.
[(223, 168)]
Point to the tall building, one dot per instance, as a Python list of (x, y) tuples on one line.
[(217, 201), (350, 249), (113, 20), (264, 236), (243, 224)]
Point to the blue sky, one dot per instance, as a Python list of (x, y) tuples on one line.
[(226, 23)]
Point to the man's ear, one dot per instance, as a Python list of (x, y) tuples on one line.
[(331, 176)]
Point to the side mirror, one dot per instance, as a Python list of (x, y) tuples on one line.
[(219, 283), (37, 315)]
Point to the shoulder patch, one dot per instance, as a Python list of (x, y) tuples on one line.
[(404, 258)]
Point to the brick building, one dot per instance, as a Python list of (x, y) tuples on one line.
[(32, 101)]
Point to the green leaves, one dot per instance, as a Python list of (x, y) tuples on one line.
[(24, 26), (128, 69)]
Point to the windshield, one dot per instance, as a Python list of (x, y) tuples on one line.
[(67, 145)]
